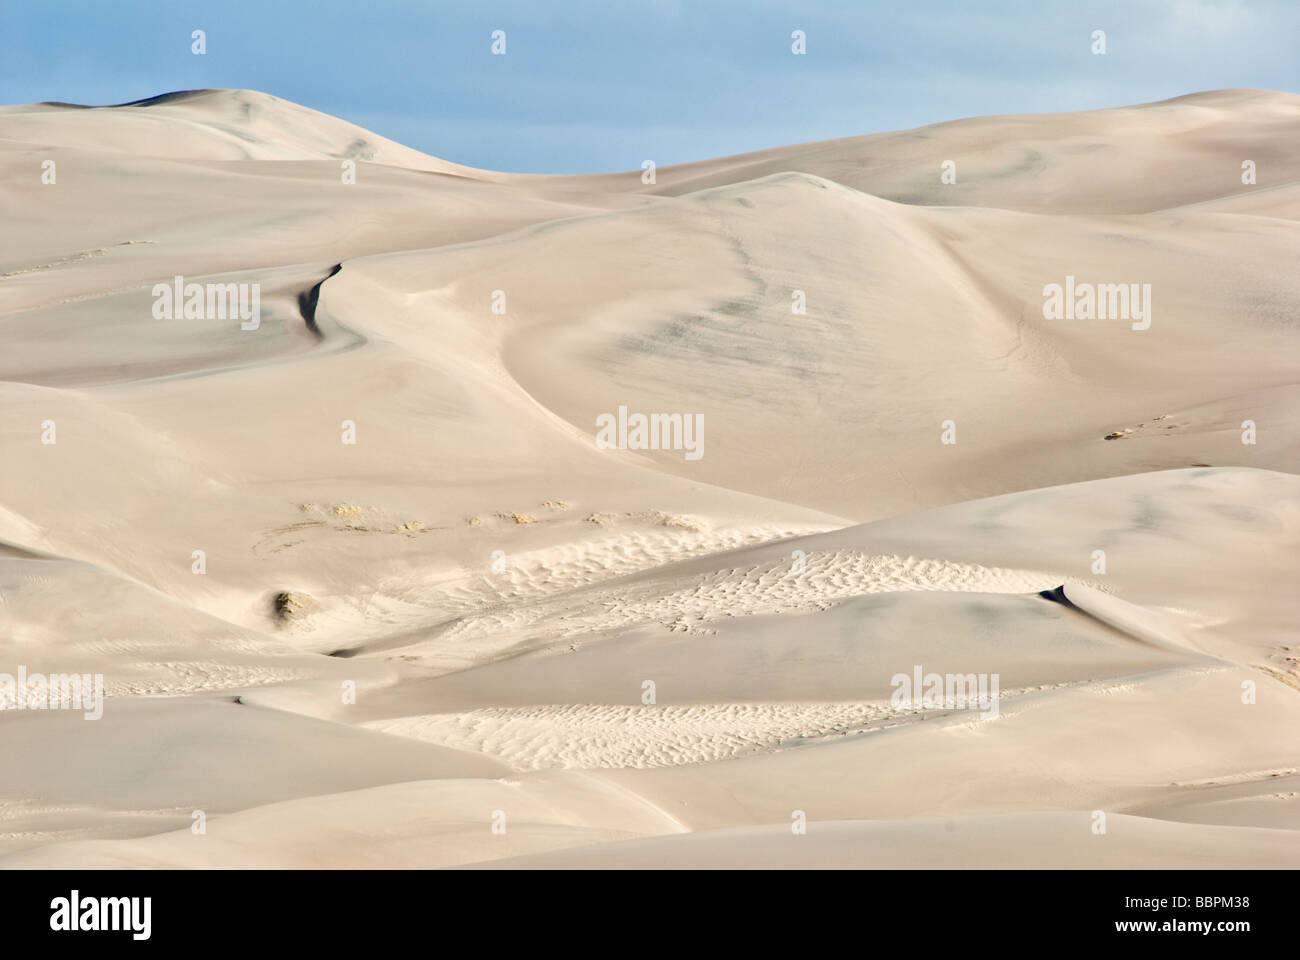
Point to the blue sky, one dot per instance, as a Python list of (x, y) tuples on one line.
[(601, 86)]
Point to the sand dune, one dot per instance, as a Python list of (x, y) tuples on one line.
[(478, 637), (1124, 160), (1046, 839)]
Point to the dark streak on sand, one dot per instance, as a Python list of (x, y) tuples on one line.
[(1057, 595), (308, 299)]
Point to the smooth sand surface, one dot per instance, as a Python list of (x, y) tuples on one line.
[(500, 591)]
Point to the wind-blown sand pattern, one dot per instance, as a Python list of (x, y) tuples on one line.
[(630, 658)]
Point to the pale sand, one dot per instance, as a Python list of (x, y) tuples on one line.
[(520, 691)]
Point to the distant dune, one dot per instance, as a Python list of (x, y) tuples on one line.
[(368, 586)]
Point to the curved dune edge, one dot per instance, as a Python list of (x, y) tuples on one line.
[(1141, 624)]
